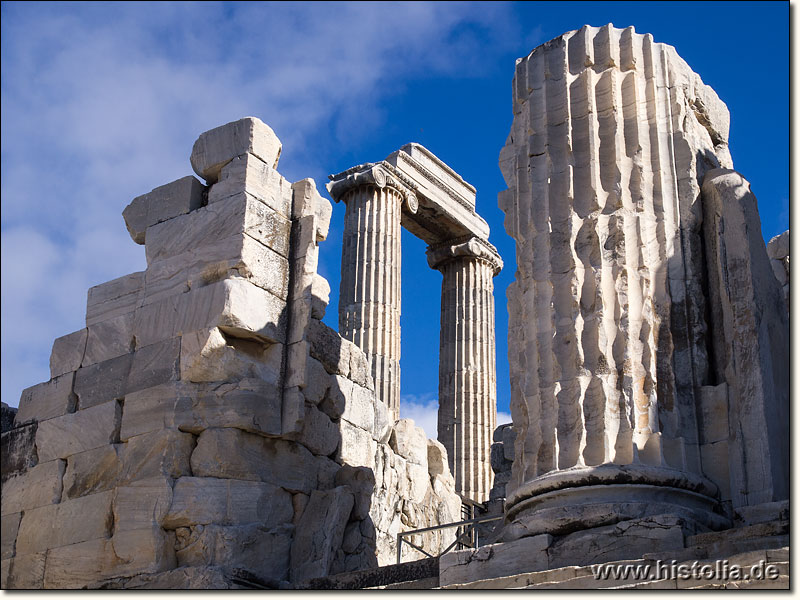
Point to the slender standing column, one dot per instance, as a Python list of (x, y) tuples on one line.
[(369, 293), (467, 377)]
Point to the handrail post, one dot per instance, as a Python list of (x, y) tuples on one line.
[(399, 545)]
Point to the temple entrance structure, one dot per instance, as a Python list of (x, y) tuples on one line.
[(412, 188)]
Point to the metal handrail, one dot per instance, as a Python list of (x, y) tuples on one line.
[(471, 522)]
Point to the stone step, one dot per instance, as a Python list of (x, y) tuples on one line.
[(582, 577), (427, 583), (379, 577)]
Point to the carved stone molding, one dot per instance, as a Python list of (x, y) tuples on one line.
[(380, 175), (469, 247)]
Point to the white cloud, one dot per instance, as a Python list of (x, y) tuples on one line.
[(101, 102), (503, 418), (424, 410)]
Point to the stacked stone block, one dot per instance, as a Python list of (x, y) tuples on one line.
[(206, 422)]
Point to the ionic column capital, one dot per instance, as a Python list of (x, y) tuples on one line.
[(380, 175), (469, 247)]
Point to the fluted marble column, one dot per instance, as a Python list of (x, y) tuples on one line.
[(369, 293), (608, 343), (467, 375)]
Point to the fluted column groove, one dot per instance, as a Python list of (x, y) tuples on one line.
[(467, 375), (608, 336), (369, 302)]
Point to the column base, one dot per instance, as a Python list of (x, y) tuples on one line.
[(565, 501)]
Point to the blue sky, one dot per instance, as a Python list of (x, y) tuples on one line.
[(102, 102)]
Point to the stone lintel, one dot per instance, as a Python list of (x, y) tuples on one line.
[(443, 203), (467, 246), (447, 202)]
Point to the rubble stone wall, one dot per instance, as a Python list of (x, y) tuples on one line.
[(206, 422)]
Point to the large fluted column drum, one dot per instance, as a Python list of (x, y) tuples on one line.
[(608, 345)]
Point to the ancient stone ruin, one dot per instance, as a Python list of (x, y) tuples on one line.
[(207, 430), (414, 189), (648, 337), (206, 422)]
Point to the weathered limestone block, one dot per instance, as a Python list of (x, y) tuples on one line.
[(261, 551), (750, 334), (77, 432), (214, 243), (251, 175), (18, 450), (357, 448), (26, 572), (46, 400), (206, 500), (235, 305), (360, 371), (763, 513), (319, 533), (9, 526), (319, 434), (109, 339), (114, 298), (307, 201), (102, 382), (625, 540), (91, 471), (142, 504), (299, 503), (437, 459), (409, 441), (352, 538), (384, 421), (209, 355), (419, 482), (329, 348), (38, 486), (67, 353), (165, 452), (124, 554), (154, 365), (67, 523), (216, 148), (316, 382), (359, 406), (7, 415), (250, 404), (778, 252), (182, 578), (336, 396), (254, 458), (495, 560), (361, 482), (163, 203)]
